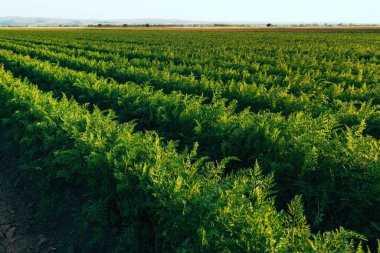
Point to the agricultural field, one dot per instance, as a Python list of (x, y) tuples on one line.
[(197, 141)]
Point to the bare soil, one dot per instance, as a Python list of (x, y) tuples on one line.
[(18, 230)]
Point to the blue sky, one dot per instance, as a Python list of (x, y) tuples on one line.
[(358, 11)]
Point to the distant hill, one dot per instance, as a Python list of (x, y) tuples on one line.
[(51, 22), (35, 22)]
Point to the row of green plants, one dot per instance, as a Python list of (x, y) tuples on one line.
[(351, 60), (276, 98), (317, 67), (257, 96), (354, 61), (134, 193), (223, 48), (315, 157)]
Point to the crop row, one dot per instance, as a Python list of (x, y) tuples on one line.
[(190, 47), (274, 99), (258, 97), (138, 194), (312, 156), (281, 59)]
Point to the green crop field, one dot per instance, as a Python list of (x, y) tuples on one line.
[(197, 141)]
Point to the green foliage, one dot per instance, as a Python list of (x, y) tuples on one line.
[(136, 194), (305, 106)]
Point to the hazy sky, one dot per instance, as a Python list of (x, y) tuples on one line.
[(359, 11)]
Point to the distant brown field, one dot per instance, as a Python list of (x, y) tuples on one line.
[(261, 29), (222, 29)]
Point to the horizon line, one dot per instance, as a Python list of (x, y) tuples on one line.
[(195, 22)]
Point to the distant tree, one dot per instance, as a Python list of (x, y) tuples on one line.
[(125, 25), (147, 25), (100, 25), (269, 25)]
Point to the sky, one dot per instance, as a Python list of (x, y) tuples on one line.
[(301, 11)]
